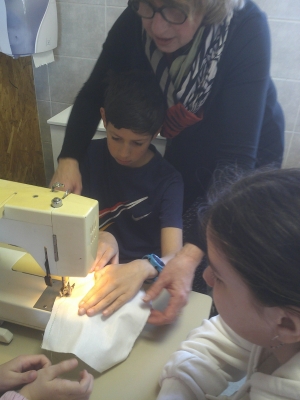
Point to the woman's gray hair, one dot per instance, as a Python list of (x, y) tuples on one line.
[(214, 11)]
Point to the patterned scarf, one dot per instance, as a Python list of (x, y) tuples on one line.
[(187, 83)]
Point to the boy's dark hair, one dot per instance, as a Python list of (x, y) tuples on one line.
[(256, 225), (134, 101)]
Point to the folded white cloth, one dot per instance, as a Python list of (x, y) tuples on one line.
[(100, 342)]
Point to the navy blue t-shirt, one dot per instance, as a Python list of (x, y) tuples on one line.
[(134, 203)]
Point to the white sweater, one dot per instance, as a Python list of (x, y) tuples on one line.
[(214, 355)]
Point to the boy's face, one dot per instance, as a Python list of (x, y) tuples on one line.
[(128, 148)]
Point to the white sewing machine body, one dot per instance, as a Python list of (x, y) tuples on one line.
[(63, 239)]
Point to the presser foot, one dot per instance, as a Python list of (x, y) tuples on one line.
[(66, 288), (58, 289), (47, 298), (66, 291)]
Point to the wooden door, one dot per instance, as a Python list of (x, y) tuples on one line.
[(21, 157)]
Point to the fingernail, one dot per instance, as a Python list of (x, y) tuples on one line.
[(32, 375), (146, 298), (81, 311)]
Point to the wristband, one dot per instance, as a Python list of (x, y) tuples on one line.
[(157, 263)]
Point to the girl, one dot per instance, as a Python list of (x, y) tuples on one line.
[(253, 236)]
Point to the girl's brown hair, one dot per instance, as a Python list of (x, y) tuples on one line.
[(256, 225)]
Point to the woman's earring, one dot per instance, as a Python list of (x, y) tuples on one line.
[(278, 345)]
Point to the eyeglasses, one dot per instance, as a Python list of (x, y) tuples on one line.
[(146, 10)]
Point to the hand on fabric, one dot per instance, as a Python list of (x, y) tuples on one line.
[(114, 286), (68, 173), (108, 251), (48, 386), (176, 278)]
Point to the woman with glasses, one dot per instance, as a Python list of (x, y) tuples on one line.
[(211, 59)]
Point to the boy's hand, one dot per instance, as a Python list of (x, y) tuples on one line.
[(21, 370), (114, 286), (48, 386), (107, 252)]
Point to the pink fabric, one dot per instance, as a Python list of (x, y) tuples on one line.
[(12, 396)]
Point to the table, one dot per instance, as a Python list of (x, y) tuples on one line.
[(136, 378)]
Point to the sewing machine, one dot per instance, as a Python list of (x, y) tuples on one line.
[(57, 237)]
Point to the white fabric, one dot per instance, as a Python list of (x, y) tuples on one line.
[(98, 341), (214, 355)]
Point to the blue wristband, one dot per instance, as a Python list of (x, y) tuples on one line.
[(157, 263)]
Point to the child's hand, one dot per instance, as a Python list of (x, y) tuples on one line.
[(48, 386), (21, 370), (114, 286), (108, 251)]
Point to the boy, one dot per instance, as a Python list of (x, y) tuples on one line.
[(139, 193)]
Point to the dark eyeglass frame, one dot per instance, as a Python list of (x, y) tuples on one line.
[(131, 3)]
